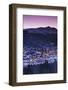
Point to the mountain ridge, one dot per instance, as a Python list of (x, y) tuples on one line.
[(42, 30)]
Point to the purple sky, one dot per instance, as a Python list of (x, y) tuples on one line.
[(34, 21)]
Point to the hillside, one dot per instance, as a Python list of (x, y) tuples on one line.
[(40, 36)]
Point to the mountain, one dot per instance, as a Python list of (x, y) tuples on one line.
[(39, 40), (38, 37), (42, 30)]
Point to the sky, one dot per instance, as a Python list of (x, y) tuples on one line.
[(35, 21)]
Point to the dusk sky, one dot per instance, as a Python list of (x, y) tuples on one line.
[(34, 21)]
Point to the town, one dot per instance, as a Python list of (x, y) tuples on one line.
[(36, 56)]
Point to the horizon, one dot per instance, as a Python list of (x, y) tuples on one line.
[(40, 27), (35, 21)]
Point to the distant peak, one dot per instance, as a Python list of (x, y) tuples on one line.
[(48, 27), (44, 27)]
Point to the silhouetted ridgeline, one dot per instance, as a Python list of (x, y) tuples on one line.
[(40, 36)]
